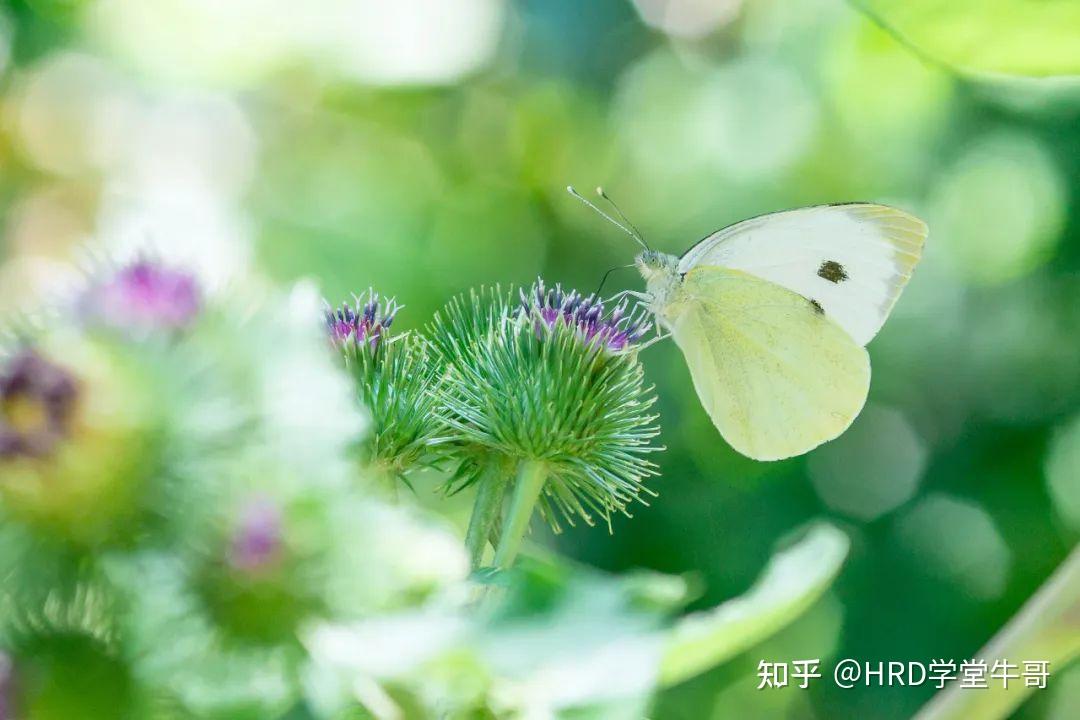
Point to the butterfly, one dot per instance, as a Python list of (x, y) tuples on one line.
[(773, 314)]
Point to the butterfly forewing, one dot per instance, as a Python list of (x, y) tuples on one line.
[(850, 261)]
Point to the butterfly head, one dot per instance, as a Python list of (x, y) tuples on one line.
[(661, 273), (653, 264)]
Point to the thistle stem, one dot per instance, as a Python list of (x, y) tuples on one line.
[(532, 474), (485, 513), (1046, 628), (385, 481)]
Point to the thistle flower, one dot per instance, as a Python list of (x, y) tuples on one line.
[(554, 385), (36, 403), (615, 331), (393, 376), (257, 541), (144, 296), (205, 648), (363, 323), (78, 443)]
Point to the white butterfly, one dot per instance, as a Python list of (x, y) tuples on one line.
[(772, 314)]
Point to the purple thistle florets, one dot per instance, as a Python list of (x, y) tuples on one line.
[(145, 296), (257, 542), (37, 399), (614, 331), (364, 322)]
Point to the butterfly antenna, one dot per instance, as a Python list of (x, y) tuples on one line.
[(570, 189), (622, 216)]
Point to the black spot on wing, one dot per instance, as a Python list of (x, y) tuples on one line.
[(817, 306), (832, 271)]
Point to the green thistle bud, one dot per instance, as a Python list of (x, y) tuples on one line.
[(60, 654), (555, 385), (255, 588), (394, 375)]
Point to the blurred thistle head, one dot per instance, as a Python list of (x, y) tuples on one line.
[(144, 296), (363, 323), (77, 440), (257, 538), (554, 379), (60, 655), (394, 376), (37, 399)]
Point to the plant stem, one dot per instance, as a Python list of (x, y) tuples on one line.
[(489, 496), (527, 488), (1046, 628)]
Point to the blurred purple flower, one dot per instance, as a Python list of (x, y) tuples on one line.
[(614, 331), (36, 402), (257, 540), (362, 323), (145, 295)]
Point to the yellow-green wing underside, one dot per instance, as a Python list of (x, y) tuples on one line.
[(776, 375)]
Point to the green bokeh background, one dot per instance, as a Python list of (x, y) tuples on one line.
[(960, 485)]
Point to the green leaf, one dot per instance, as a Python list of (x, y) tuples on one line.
[(793, 580), (1027, 38), (1046, 628)]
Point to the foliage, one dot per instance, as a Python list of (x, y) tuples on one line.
[(566, 641), (993, 37)]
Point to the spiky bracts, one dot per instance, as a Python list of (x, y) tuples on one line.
[(554, 381), (395, 376)]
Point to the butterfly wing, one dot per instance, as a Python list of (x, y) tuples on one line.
[(777, 376), (852, 260)]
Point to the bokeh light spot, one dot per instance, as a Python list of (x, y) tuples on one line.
[(244, 42), (1000, 209), (407, 42), (1063, 471), (957, 541), (64, 106), (872, 468), (687, 18), (748, 118)]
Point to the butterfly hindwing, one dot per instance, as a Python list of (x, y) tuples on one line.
[(851, 260), (777, 377)]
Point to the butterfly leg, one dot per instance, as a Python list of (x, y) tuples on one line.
[(643, 297), (660, 335), (657, 338)]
